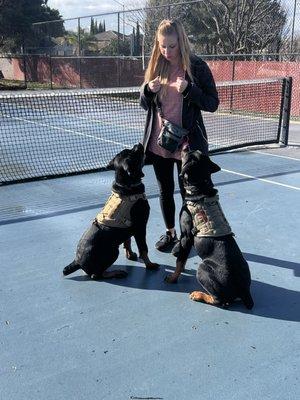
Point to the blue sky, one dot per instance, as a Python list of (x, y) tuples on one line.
[(78, 8)]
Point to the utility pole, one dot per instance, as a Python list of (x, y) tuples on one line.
[(123, 6)]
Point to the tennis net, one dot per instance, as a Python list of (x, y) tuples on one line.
[(50, 133)]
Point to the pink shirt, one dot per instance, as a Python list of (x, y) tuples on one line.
[(171, 106)]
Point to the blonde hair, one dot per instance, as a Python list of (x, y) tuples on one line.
[(158, 65)]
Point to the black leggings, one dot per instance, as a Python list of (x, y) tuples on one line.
[(164, 172)]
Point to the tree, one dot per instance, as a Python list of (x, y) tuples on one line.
[(101, 27), (87, 42), (115, 48), (227, 26), (16, 19), (93, 26), (152, 18), (137, 40)]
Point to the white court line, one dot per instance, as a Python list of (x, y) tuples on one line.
[(294, 144), (55, 114), (261, 179), (274, 155), (71, 131)]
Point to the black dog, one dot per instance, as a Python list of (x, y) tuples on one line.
[(223, 273), (125, 214)]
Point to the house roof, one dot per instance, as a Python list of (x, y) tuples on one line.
[(107, 36)]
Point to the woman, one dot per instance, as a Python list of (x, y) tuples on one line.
[(176, 87)]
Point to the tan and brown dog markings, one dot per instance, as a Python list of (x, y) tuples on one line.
[(125, 214), (223, 273)]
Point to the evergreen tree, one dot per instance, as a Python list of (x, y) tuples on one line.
[(138, 40), (93, 26), (16, 19)]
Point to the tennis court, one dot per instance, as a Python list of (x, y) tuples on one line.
[(140, 338)]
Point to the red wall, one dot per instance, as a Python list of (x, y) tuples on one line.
[(111, 72), (247, 70)]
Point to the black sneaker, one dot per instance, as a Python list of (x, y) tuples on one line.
[(166, 242), (176, 248)]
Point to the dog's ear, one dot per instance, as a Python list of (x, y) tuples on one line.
[(197, 154), (138, 147), (186, 167), (213, 167), (131, 171), (111, 164)]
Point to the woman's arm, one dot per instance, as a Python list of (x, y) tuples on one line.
[(203, 92), (146, 96)]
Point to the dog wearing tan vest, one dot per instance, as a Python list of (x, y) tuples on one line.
[(223, 273), (125, 214)]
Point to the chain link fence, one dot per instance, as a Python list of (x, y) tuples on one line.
[(240, 39)]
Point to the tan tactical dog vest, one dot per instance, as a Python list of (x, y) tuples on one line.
[(208, 217), (116, 212)]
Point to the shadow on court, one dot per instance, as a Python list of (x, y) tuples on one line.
[(71, 337), (295, 267), (270, 301)]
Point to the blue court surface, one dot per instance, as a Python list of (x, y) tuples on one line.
[(140, 338)]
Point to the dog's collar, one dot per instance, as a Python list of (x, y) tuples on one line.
[(124, 190), (192, 193), (131, 197), (134, 185)]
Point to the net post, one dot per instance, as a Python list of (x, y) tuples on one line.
[(286, 110)]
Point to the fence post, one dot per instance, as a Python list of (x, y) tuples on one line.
[(118, 51), (25, 70), (232, 78), (293, 26), (286, 110), (50, 66), (234, 50), (79, 54)]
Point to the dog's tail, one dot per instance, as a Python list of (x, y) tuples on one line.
[(69, 269), (247, 300)]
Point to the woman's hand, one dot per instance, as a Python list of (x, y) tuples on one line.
[(181, 84), (154, 85)]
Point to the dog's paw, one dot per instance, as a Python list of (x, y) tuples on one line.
[(171, 278), (95, 277), (152, 266), (130, 255), (196, 296), (204, 298)]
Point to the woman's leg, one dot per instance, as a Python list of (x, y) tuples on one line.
[(164, 171), (180, 180)]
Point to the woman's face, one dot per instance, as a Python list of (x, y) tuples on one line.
[(169, 47)]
